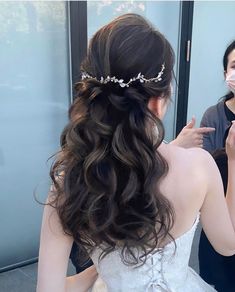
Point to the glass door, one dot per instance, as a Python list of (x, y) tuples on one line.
[(34, 97)]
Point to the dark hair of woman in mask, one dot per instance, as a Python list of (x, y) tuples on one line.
[(106, 178), (227, 52)]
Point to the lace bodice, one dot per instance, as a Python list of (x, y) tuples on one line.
[(165, 270)]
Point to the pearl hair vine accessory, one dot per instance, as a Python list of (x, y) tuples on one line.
[(121, 82)]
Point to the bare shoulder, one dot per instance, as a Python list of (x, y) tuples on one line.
[(201, 158), (193, 164), (192, 156), (190, 169)]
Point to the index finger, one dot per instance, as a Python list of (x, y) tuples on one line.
[(205, 130)]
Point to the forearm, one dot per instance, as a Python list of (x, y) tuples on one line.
[(81, 282), (230, 194)]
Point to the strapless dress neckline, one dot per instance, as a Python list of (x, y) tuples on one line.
[(166, 269)]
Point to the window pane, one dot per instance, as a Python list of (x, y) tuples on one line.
[(34, 96)]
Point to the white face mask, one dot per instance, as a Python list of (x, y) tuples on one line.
[(230, 80)]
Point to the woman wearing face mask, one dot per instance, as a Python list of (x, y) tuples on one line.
[(215, 268), (220, 115)]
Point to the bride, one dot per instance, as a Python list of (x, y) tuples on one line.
[(131, 202)]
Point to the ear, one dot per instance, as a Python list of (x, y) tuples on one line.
[(155, 105)]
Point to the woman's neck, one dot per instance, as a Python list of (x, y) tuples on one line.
[(231, 104)]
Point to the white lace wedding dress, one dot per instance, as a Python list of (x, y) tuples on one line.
[(164, 270)]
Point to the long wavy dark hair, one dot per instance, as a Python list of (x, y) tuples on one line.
[(106, 177)]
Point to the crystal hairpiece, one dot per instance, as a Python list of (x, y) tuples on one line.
[(121, 82)]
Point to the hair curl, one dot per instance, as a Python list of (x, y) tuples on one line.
[(109, 165)]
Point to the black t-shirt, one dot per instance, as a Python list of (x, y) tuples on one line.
[(229, 114)]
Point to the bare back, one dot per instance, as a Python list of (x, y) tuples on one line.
[(184, 186), (192, 185)]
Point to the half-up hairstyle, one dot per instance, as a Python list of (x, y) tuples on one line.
[(110, 169)]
